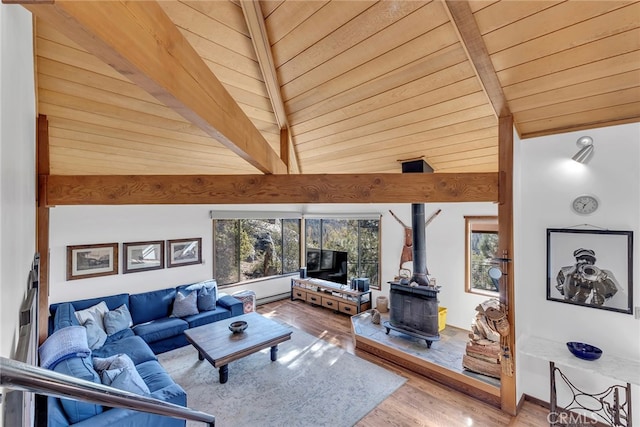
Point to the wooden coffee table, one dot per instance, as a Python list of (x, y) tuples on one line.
[(216, 343)]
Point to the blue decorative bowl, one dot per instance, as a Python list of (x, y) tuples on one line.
[(584, 351)]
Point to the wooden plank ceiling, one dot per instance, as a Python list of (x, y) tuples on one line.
[(360, 85)]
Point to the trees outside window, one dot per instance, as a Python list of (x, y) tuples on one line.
[(360, 238), (290, 245), (226, 251), (246, 249), (481, 233), (369, 255)]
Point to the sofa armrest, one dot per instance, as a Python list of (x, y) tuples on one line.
[(127, 417), (234, 305)]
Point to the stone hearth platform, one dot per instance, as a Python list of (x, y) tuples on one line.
[(442, 362)]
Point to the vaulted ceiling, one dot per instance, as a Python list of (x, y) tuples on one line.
[(242, 87)]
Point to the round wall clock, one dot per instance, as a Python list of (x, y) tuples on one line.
[(585, 204)]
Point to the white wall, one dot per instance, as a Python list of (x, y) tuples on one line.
[(548, 182), (79, 225), (75, 225), (17, 167)]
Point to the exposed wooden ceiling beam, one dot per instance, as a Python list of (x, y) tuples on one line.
[(252, 189), (255, 23), (140, 41), (465, 25)]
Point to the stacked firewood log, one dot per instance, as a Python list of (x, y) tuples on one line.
[(483, 349)]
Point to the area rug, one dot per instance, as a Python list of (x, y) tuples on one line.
[(313, 383)]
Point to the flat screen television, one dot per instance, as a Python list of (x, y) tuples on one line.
[(327, 265)]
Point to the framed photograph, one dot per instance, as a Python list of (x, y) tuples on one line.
[(591, 268), (84, 261), (184, 252), (142, 256)]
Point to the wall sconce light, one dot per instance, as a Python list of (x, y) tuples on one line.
[(586, 149)]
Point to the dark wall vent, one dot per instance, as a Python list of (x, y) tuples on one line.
[(416, 166)]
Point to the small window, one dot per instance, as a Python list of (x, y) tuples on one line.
[(481, 234)]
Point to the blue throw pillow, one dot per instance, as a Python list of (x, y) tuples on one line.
[(119, 371), (207, 299), (96, 337), (117, 320), (79, 367), (185, 305), (125, 379)]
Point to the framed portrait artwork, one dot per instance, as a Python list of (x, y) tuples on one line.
[(142, 256), (84, 261), (184, 252), (591, 268)]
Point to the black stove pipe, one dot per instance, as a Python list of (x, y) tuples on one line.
[(419, 245)]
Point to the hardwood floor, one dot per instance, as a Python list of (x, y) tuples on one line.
[(420, 401)]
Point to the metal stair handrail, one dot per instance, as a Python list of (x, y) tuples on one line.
[(23, 376)]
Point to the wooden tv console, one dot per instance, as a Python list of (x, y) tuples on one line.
[(330, 295)]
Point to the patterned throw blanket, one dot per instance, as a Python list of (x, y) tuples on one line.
[(63, 344)]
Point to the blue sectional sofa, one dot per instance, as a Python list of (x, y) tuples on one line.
[(151, 311), (152, 330)]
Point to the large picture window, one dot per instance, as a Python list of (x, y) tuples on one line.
[(481, 234), (247, 249), (359, 238)]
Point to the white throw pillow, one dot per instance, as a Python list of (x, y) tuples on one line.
[(95, 312)]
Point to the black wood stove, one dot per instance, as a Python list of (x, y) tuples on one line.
[(414, 306)]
